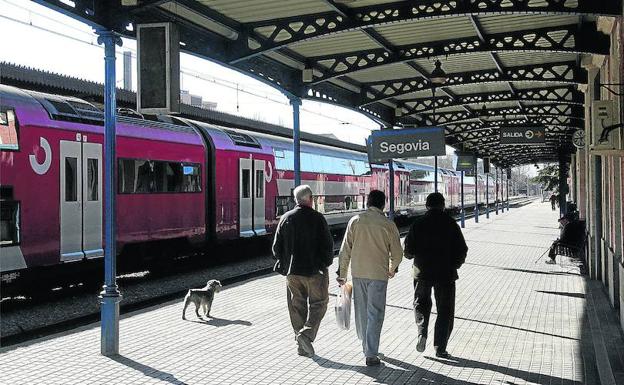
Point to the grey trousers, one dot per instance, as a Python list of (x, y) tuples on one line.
[(307, 299), (369, 301)]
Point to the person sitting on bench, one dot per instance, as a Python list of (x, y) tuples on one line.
[(571, 236)]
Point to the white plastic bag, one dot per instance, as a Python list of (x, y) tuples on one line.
[(343, 306)]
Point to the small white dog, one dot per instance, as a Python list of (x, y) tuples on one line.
[(202, 297)]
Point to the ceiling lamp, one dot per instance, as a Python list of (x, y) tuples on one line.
[(483, 114), (438, 76), (307, 75)]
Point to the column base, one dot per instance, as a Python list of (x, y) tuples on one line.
[(109, 340)]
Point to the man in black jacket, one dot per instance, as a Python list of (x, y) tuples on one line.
[(304, 248), (437, 245)]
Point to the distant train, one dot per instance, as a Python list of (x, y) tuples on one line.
[(181, 184)]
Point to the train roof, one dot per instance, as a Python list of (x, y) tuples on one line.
[(37, 108), (255, 136)]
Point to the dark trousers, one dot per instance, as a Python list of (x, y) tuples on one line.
[(307, 299), (444, 294), (552, 253)]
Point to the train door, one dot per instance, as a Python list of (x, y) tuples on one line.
[(258, 198), (80, 200), (245, 200), (92, 200)]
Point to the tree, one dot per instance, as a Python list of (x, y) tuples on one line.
[(548, 177)]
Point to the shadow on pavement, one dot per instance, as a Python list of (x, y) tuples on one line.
[(218, 322), (501, 325), (148, 370), (538, 272), (524, 270), (537, 378), (573, 295), (383, 374)]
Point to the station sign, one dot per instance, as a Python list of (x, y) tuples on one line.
[(385, 145), (522, 135), (603, 115), (466, 162)]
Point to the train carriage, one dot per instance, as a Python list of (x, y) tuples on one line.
[(182, 184)]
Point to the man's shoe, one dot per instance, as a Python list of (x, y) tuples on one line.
[(421, 344), (372, 361), (443, 354), (305, 344), (550, 261), (303, 353)]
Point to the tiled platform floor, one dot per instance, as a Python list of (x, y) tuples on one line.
[(518, 322)]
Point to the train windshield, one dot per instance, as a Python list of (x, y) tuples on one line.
[(8, 130)]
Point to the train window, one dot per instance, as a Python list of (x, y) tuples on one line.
[(126, 176), (246, 184), (191, 179), (71, 179), (8, 130), (259, 184), (149, 176), (9, 223), (145, 176), (92, 179), (242, 139), (283, 204)]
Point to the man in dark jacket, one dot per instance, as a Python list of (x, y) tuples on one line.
[(304, 248), (437, 245)]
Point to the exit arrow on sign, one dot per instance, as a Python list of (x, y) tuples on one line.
[(522, 135)]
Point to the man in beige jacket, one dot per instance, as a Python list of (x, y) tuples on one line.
[(373, 247)]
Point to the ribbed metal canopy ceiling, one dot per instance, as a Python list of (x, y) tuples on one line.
[(519, 58)]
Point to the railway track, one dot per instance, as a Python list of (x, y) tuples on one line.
[(24, 323)]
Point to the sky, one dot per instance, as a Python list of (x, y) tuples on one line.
[(47, 40)]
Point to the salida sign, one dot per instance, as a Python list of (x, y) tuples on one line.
[(385, 145), (522, 135)]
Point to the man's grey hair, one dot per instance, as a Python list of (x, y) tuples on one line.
[(302, 194)]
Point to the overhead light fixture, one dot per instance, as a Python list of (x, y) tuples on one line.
[(483, 114), (307, 75), (438, 76)]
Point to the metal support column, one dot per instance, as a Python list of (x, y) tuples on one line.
[(508, 194), (487, 196), (435, 158), (502, 198), (435, 172), (597, 258), (461, 192), (476, 182), (563, 186), (296, 103), (391, 189), (496, 191), (110, 296)]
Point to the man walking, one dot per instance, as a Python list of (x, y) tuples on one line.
[(305, 249), (437, 245), (373, 247), (553, 200)]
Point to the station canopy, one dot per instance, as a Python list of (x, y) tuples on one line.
[(507, 62)]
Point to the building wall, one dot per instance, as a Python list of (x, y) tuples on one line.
[(599, 170)]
